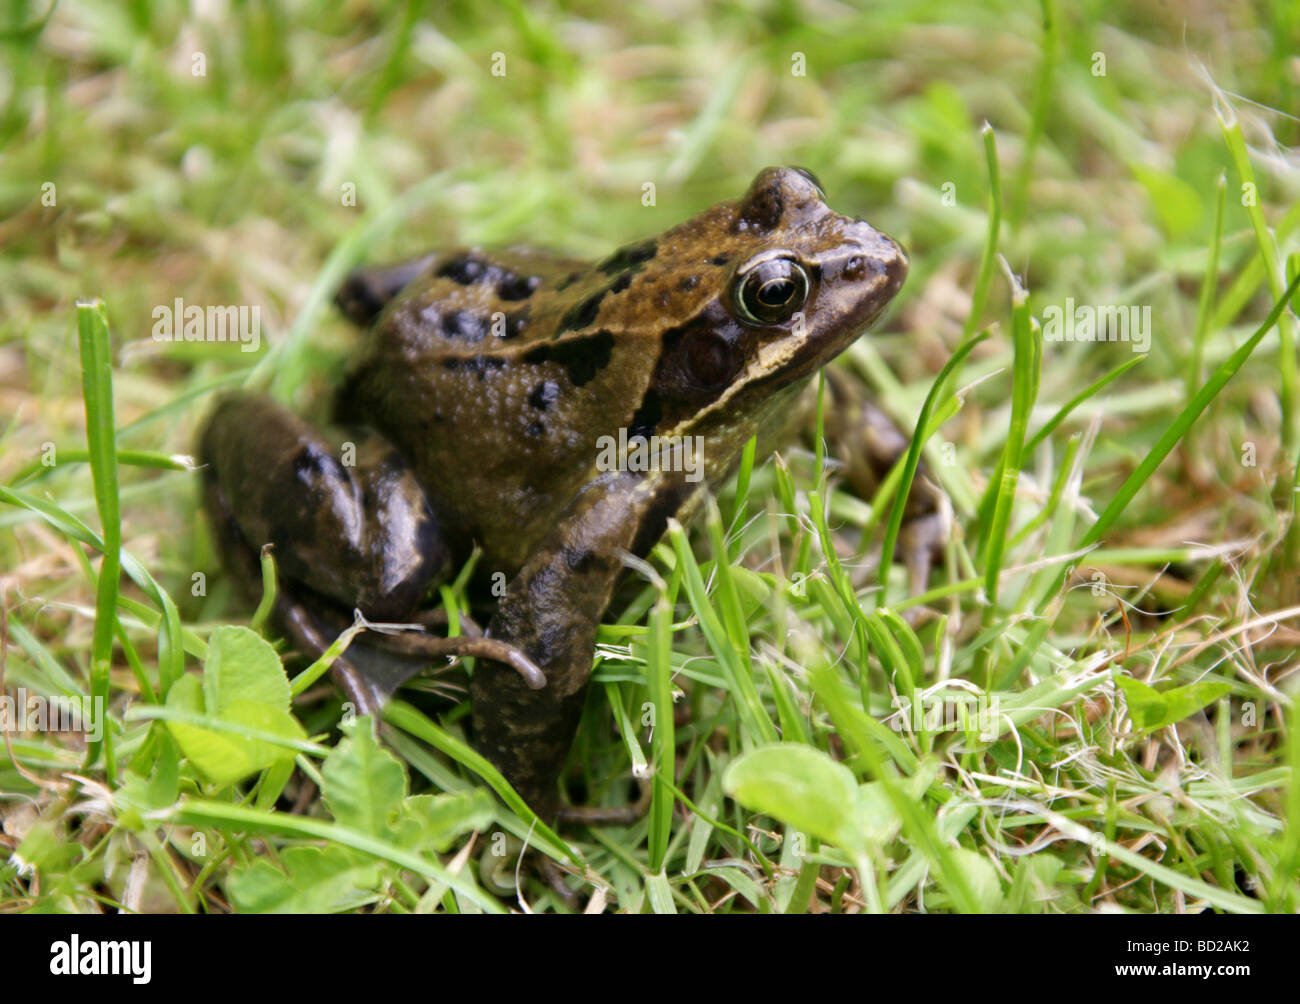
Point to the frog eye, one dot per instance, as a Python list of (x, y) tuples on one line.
[(770, 290)]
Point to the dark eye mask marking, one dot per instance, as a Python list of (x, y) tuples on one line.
[(582, 357), (647, 417)]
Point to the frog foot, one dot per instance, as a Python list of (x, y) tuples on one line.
[(594, 815), (414, 641), (376, 664)]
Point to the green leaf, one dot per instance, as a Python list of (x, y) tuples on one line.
[(1177, 203), (982, 878), (436, 821), (363, 783), (226, 757), (164, 782), (315, 880), (803, 787), (242, 666), (1144, 703), (1154, 709)]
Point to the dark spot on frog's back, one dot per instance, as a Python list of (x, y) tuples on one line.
[(468, 269), (544, 395), (480, 365), (582, 315), (631, 257), (516, 287), (464, 324), (516, 322), (583, 357), (464, 269)]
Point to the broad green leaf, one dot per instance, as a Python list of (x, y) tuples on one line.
[(982, 878), (1183, 702), (1144, 703), (44, 849), (241, 666), (435, 821), (880, 821), (1154, 709), (227, 757), (164, 781), (801, 786), (363, 783), (316, 880)]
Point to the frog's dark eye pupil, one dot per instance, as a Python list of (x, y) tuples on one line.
[(775, 292), (771, 290)]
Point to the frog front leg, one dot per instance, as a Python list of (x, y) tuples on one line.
[(550, 611), (346, 537)]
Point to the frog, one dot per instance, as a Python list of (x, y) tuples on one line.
[(479, 411)]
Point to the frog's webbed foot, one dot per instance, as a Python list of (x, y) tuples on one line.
[(431, 647), (594, 815), (376, 664)]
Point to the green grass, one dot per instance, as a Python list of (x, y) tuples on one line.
[(1121, 576)]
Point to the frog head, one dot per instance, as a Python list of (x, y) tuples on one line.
[(788, 284)]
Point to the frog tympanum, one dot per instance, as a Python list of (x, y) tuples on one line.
[(480, 411)]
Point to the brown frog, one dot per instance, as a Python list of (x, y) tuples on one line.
[(491, 388)]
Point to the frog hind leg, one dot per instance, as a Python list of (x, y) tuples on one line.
[(346, 538)]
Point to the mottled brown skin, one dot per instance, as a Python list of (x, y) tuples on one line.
[(486, 382)]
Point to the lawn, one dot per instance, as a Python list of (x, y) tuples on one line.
[(1098, 688)]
